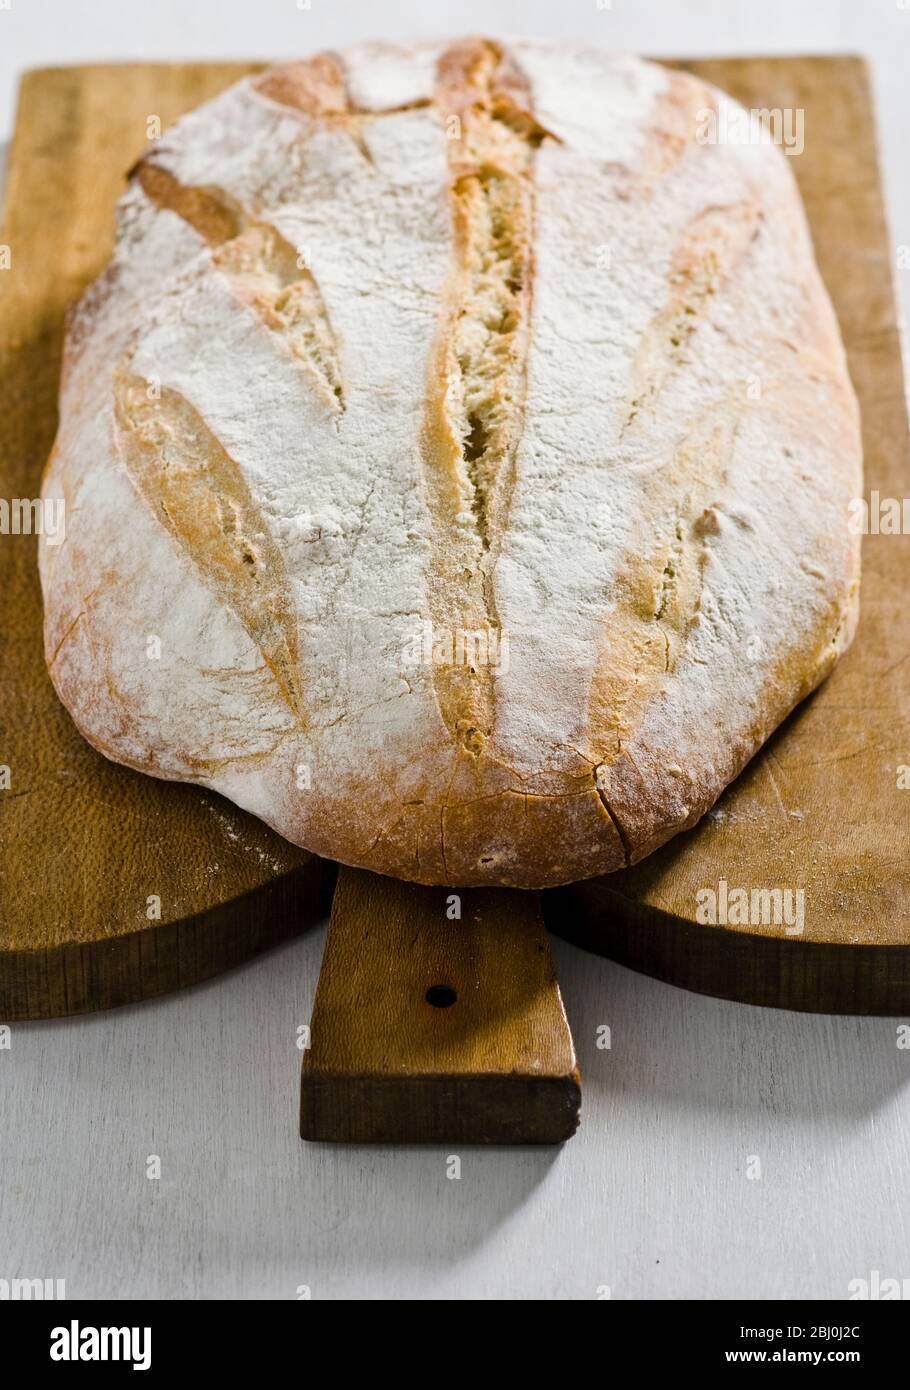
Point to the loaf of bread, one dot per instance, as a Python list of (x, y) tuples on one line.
[(456, 457)]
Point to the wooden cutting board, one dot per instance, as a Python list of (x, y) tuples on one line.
[(86, 847)]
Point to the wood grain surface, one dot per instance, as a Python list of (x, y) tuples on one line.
[(433, 1027), (87, 847), (821, 808), (818, 810)]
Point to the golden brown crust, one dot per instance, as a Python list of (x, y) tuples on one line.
[(316, 86)]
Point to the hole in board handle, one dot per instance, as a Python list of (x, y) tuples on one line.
[(441, 996)]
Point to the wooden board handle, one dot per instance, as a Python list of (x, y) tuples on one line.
[(437, 1019)]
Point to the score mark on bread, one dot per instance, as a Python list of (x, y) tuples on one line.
[(200, 495), (264, 271), (476, 388)]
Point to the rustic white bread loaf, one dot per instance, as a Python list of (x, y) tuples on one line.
[(456, 457)]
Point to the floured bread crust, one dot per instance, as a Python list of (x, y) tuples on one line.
[(456, 457)]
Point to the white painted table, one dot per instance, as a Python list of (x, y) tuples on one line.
[(654, 1197)]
